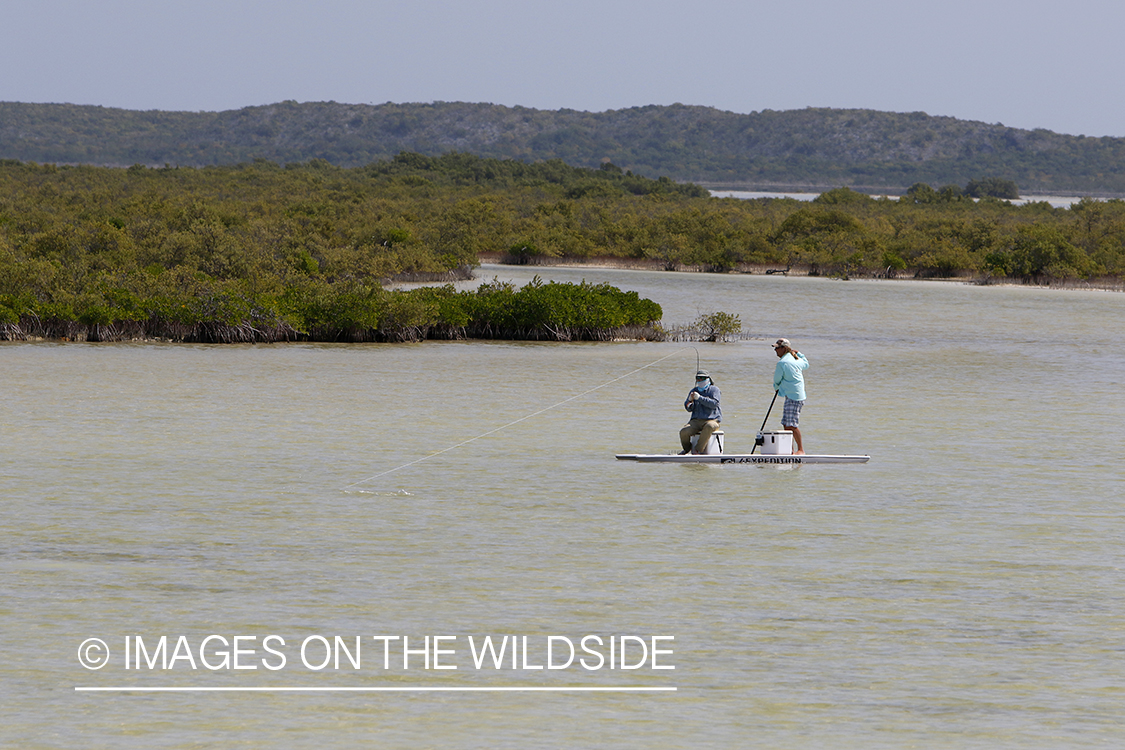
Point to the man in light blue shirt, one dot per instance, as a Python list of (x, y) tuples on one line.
[(789, 381)]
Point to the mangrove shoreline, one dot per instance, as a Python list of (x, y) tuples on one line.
[(269, 252), (1103, 283)]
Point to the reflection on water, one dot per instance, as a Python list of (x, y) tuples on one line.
[(963, 589)]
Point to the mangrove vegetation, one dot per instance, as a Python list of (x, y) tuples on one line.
[(262, 251)]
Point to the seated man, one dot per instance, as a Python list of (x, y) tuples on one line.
[(703, 403)]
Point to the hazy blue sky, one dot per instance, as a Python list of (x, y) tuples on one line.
[(1027, 64)]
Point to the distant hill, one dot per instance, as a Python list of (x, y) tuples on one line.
[(810, 147)]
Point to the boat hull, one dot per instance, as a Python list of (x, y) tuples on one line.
[(743, 458)]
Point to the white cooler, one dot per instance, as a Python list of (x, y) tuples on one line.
[(777, 443), (714, 445)]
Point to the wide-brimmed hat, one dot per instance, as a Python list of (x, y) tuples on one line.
[(701, 374)]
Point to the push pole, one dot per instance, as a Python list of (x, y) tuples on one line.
[(760, 440)]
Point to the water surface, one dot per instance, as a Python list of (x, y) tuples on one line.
[(962, 590)]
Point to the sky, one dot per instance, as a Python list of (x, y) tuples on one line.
[(1026, 63)]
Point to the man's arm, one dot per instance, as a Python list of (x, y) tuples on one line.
[(709, 400)]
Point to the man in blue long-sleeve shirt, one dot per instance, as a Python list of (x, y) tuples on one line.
[(789, 381), (703, 403)]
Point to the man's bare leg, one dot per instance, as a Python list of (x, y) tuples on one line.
[(800, 449)]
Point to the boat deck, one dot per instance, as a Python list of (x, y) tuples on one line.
[(742, 458)]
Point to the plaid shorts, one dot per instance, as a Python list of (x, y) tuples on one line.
[(791, 415)]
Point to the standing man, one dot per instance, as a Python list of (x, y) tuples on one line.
[(789, 381), (703, 403)]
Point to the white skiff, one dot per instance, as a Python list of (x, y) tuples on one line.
[(742, 458), (777, 450)]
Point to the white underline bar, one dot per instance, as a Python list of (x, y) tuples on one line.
[(403, 689)]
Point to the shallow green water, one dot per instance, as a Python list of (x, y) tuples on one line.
[(963, 589)]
